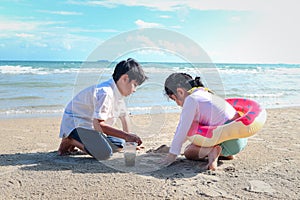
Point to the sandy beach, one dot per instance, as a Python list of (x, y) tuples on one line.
[(30, 169)]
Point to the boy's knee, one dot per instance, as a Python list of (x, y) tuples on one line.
[(104, 154)]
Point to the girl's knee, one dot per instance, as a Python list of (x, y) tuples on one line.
[(191, 152)]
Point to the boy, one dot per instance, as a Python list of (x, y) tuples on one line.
[(88, 119)]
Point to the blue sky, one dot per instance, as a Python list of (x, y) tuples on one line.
[(234, 31)]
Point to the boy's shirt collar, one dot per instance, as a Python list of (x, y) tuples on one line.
[(116, 89)]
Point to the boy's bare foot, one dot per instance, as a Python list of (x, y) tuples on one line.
[(72, 149), (65, 146), (213, 156), (68, 145)]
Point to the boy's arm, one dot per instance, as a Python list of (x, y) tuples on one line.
[(125, 123), (101, 126)]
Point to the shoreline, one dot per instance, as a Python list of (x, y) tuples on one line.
[(266, 169), (56, 115)]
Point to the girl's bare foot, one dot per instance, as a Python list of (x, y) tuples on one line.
[(226, 157), (213, 156)]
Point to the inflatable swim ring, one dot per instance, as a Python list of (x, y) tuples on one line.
[(252, 119)]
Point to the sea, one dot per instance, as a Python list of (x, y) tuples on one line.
[(43, 88)]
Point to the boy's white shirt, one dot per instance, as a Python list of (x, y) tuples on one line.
[(103, 101), (200, 107)]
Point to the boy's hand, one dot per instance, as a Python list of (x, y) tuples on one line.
[(133, 138)]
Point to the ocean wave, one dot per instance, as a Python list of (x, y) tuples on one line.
[(189, 69), (260, 70), (40, 110), (30, 111), (280, 94), (18, 69), (255, 95), (20, 98), (153, 109), (153, 69)]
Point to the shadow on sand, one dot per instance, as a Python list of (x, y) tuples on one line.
[(50, 161)]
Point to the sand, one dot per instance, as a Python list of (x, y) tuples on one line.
[(30, 169)]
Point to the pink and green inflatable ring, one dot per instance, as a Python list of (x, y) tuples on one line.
[(252, 119)]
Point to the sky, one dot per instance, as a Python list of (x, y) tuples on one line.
[(229, 31)]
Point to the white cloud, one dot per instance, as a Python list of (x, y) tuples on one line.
[(104, 3), (24, 35), (176, 27), (44, 34), (150, 52), (165, 5), (275, 37), (81, 30), (39, 44), (173, 5), (235, 19), (10, 25), (3, 35), (165, 16), (67, 45), (142, 24), (60, 12)]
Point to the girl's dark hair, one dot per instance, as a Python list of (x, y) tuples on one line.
[(181, 80), (132, 68)]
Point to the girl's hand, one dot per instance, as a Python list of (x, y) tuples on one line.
[(169, 159)]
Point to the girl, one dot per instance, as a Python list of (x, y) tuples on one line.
[(199, 105)]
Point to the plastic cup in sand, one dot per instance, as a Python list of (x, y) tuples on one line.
[(130, 153)]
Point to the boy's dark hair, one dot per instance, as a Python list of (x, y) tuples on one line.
[(181, 80), (132, 68)]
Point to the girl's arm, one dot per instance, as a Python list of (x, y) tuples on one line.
[(187, 116)]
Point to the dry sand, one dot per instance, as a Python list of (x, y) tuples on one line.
[(30, 169)]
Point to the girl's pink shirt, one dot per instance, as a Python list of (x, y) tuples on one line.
[(200, 107)]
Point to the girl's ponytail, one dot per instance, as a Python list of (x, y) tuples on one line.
[(198, 82)]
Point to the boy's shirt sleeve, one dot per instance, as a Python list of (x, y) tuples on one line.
[(102, 105), (186, 119)]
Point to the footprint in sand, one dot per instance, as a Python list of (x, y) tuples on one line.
[(260, 187), (162, 149)]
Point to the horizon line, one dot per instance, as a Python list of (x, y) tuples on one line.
[(107, 61)]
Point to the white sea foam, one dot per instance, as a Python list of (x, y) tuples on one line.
[(16, 113), (260, 70), (153, 109), (18, 69), (271, 85), (271, 95)]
